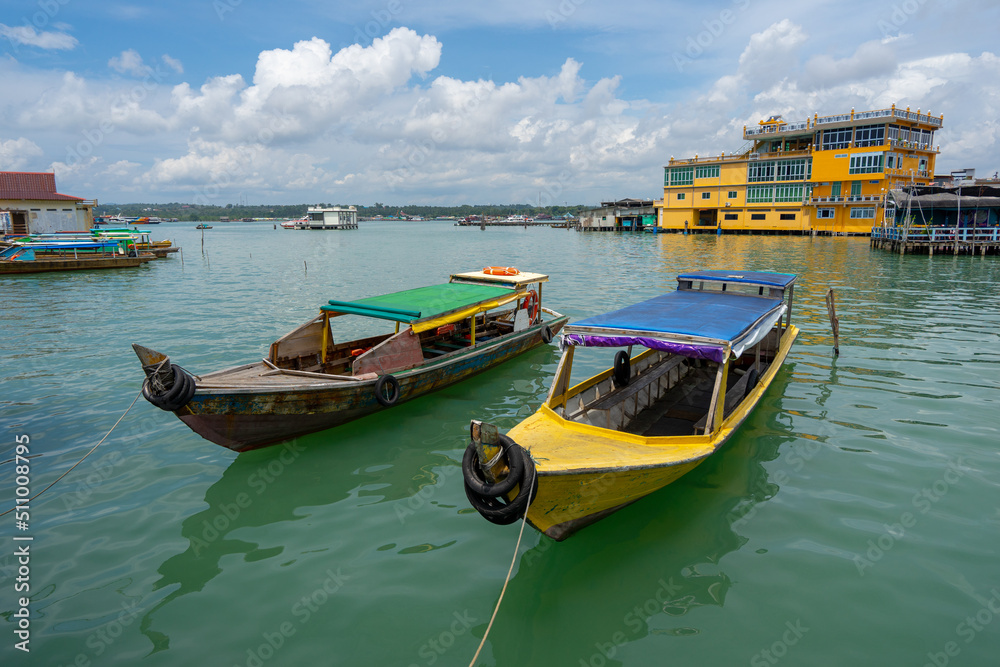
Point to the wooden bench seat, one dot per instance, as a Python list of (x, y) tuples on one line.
[(637, 384)]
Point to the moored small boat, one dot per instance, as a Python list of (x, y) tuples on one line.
[(711, 349), (36, 255), (309, 382)]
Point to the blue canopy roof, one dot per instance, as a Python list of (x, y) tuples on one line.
[(767, 278), (717, 316)]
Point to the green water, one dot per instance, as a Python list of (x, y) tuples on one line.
[(854, 518)]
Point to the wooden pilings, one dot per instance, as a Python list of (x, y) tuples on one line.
[(932, 240), (831, 309)]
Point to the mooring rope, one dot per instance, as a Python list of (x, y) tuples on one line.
[(85, 455), (524, 520)]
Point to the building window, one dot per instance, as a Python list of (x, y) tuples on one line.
[(707, 172), (834, 139), (856, 188), (824, 213), (760, 194), (732, 216), (792, 170), (788, 193), (863, 213), (866, 163), (732, 194), (706, 195), (757, 216), (682, 176), (869, 135), (835, 189), (760, 171), (680, 195), (787, 216)]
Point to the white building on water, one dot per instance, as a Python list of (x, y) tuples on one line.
[(336, 217)]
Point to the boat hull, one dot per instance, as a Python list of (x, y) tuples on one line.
[(569, 499), (243, 419), (567, 503), (42, 264)]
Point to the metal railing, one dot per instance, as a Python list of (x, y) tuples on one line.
[(850, 199), (938, 234), (699, 159), (917, 145), (844, 118)]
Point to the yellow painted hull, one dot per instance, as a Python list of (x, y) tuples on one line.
[(586, 472)]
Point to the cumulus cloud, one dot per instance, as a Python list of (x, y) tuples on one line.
[(28, 36), (871, 59), (129, 62), (18, 154), (372, 122)]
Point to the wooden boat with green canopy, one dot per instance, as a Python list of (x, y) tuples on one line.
[(310, 382), (709, 351)]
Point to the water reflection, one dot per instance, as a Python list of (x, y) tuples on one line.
[(273, 485)]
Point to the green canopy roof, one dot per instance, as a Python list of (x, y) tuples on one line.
[(420, 303)]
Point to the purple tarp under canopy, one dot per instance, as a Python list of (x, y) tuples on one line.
[(709, 352)]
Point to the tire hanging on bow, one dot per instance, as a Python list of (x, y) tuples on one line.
[(490, 500)]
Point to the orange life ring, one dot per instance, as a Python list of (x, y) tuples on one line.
[(500, 271), (531, 305)]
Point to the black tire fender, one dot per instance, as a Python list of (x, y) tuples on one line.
[(393, 397), (546, 334), (515, 463), (179, 394), (753, 377), (623, 369), (496, 509)]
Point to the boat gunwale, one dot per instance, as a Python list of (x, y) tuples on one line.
[(715, 440), (321, 385)]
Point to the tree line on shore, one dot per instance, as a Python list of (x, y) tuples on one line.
[(195, 212)]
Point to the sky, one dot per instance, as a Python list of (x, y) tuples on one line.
[(453, 102)]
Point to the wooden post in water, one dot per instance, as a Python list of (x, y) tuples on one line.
[(486, 440), (831, 309)]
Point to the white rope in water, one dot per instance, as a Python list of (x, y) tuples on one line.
[(85, 455), (503, 590)]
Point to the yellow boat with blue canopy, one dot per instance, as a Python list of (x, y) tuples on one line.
[(309, 382), (692, 365)]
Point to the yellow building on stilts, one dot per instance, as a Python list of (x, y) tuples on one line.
[(823, 175)]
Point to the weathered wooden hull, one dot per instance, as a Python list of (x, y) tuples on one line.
[(242, 419), (570, 498), (42, 264)]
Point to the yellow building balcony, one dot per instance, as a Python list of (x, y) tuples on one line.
[(849, 199)]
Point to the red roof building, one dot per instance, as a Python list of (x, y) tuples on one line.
[(40, 186), (30, 204)]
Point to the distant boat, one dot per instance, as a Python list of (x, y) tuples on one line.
[(203, 226), (293, 224)]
